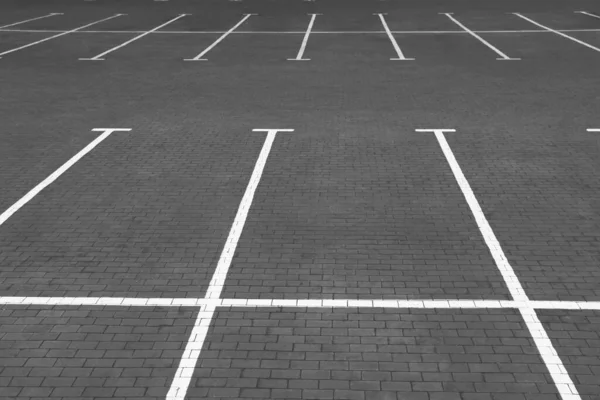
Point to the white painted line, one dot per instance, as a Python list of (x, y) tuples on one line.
[(183, 376), (31, 19), (59, 35), (491, 241), (305, 40), (558, 33), (589, 14), (593, 130), (561, 378), (209, 48), (393, 40), (52, 177), (99, 56), (482, 40)]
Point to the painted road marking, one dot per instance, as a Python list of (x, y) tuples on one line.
[(393, 40), (593, 130), (587, 13), (305, 40), (559, 374), (300, 303), (558, 32), (503, 56), (199, 56), (52, 177), (31, 19), (183, 376), (59, 35), (99, 56)]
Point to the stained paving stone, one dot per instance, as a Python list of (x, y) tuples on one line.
[(65, 352), (576, 337), (350, 353)]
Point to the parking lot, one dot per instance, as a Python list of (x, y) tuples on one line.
[(269, 199)]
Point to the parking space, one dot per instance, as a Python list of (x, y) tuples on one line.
[(90, 352), (361, 354)]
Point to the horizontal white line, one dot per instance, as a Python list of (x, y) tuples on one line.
[(303, 303), (300, 32), (593, 130)]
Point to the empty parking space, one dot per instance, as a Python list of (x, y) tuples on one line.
[(359, 354), (66, 352), (576, 339)]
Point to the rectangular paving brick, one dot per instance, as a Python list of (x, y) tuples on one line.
[(576, 337), (145, 214), (537, 187), (350, 353), (91, 352), (349, 215)]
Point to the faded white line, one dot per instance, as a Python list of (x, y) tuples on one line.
[(52, 177), (305, 40), (209, 48), (588, 14), (581, 42), (561, 378), (482, 40), (31, 19), (59, 35), (99, 56), (182, 378), (399, 52)]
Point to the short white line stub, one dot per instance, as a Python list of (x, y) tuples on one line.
[(593, 130), (61, 170), (219, 40)]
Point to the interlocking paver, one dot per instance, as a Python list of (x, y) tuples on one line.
[(421, 362), (91, 371)]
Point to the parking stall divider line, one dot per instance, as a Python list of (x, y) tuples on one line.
[(29, 20), (61, 170), (219, 40), (503, 57), (593, 130), (581, 42), (59, 35), (300, 55), (99, 56), (399, 52), (588, 14), (183, 375), (560, 376)]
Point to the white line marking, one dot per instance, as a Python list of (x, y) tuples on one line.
[(52, 177), (32, 19), (482, 40), (593, 130), (304, 303), (199, 56), (182, 378), (99, 56), (305, 40), (401, 56), (558, 33), (393, 40), (58, 35), (589, 14), (561, 378)]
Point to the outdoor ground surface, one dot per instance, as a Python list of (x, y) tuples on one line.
[(190, 256)]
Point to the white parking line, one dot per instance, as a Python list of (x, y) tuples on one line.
[(59, 35), (393, 40), (99, 56), (199, 56), (182, 378), (561, 378), (31, 19), (305, 40), (593, 130), (558, 32), (503, 56), (52, 177), (587, 13)]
